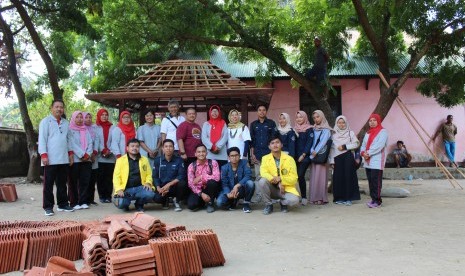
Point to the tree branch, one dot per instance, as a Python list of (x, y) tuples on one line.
[(213, 41), (10, 7), (367, 28), (19, 30)]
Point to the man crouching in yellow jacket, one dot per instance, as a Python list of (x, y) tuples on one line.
[(132, 178), (279, 178)]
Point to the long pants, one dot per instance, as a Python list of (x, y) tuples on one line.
[(55, 174), (375, 182), (79, 183), (270, 191), (179, 191), (91, 188), (212, 189), (105, 180), (256, 168), (450, 150), (245, 191), (140, 194), (301, 170)]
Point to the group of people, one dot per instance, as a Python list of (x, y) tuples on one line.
[(179, 161)]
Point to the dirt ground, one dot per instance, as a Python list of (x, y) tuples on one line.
[(423, 234)]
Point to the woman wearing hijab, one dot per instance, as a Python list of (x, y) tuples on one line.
[(93, 130), (81, 167), (215, 136), (121, 134), (302, 150), (149, 136), (287, 134), (319, 177), (106, 159), (373, 152), (341, 158), (238, 134)]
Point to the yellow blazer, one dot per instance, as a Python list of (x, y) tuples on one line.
[(287, 168), (121, 172)]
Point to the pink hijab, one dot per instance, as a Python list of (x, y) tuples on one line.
[(91, 127), (82, 129), (306, 125)]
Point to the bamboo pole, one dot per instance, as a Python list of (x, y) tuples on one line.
[(446, 172)]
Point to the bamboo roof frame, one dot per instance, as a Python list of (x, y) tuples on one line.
[(195, 83)]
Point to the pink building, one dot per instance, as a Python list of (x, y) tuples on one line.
[(357, 98)]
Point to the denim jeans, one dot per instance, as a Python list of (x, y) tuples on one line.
[(245, 191), (450, 150), (139, 194)]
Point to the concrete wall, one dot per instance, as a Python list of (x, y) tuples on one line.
[(13, 153)]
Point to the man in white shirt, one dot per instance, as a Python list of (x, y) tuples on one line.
[(171, 123)]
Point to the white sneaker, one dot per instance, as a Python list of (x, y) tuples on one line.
[(84, 206), (304, 202), (177, 206), (77, 207)]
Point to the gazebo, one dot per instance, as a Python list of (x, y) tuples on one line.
[(194, 83)]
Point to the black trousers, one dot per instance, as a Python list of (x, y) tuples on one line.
[(375, 182), (91, 188), (212, 189), (179, 191), (105, 180), (301, 169), (55, 174), (79, 183)]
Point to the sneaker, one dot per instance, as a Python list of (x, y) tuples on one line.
[(369, 203), (102, 200), (210, 208), (304, 202), (77, 207), (246, 208), (232, 207), (268, 209), (84, 206), (139, 208), (49, 212), (177, 206), (166, 205), (348, 203), (339, 202), (66, 208), (93, 203), (107, 200), (284, 209)]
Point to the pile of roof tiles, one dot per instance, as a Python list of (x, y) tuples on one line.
[(121, 235), (24, 244), (94, 250), (208, 244), (56, 266), (176, 256), (139, 260)]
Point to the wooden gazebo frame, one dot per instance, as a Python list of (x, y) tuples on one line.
[(194, 83)]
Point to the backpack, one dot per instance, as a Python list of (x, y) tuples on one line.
[(210, 165)]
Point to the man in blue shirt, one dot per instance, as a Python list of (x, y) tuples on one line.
[(169, 176), (236, 182), (261, 131)]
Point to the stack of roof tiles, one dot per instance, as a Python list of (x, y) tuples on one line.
[(138, 260), (24, 244), (147, 226), (208, 244), (95, 227), (94, 250), (121, 235), (176, 256)]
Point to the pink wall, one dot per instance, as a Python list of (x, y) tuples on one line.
[(358, 103)]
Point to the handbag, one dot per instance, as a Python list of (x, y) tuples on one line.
[(322, 156)]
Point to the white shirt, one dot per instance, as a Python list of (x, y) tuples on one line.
[(237, 138), (170, 130)]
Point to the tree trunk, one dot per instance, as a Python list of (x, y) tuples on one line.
[(52, 75), (33, 172)]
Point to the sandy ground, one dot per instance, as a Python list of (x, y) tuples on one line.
[(420, 235)]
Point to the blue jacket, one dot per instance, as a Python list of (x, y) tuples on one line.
[(288, 141), (260, 134), (227, 175), (304, 142), (165, 171)]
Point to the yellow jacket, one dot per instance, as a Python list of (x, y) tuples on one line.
[(121, 172), (287, 168)]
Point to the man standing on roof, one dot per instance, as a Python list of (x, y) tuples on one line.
[(170, 123), (320, 63)]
